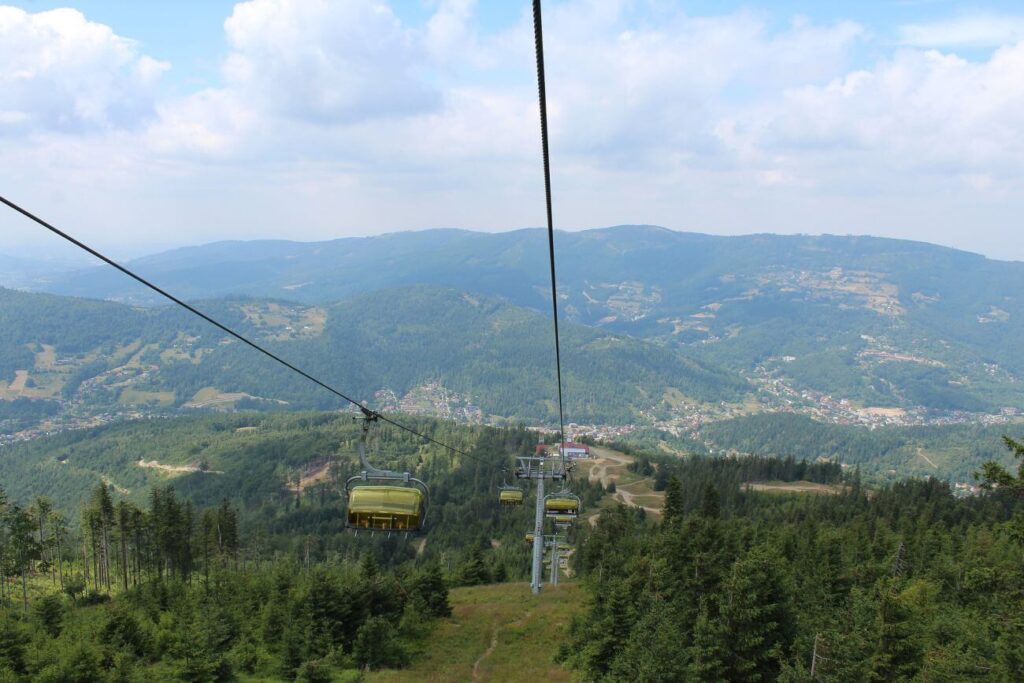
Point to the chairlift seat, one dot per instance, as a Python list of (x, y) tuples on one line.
[(386, 508)]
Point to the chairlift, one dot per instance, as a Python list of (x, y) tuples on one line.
[(509, 495), (382, 500)]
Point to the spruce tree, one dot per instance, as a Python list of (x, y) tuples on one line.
[(473, 571), (709, 649), (897, 654), (23, 545), (710, 504), (50, 612), (429, 587), (995, 475), (756, 616), (673, 509)]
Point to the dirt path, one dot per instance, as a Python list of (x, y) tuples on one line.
[(628, 497), (920, 453), (486, 653), (309, 478), (599, 473), (175, 469), (606, 459), (120, 489), (494, 644)]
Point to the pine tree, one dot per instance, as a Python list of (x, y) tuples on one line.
[(123, 531), (3, 544), (473, 571), (897, 655), (710, 504), (995, 475), (59, 528), (50, 612), (710, 648), (23, 545), (429, 587), (756, 617), (674, 505), (42, 513), (103, 505), (377, 645)]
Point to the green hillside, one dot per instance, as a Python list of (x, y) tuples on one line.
[(461, 352), (880, 322), (952, 452), (498, 632)]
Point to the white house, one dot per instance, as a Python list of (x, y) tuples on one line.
[(575, 450)]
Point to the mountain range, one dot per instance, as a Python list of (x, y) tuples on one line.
[(880, 323)]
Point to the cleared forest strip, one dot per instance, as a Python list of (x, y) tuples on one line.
[(498, 632), (175, 469)]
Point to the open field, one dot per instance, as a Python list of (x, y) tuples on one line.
[(793, 487), (47, 358), (20, 378), (499, 632), (135, 397)]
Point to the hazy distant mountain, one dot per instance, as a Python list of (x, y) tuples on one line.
[(35, 273), (878, 321)]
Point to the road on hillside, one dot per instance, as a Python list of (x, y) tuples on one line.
[(599, 472)]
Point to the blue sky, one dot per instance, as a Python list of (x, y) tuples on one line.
[(145, 124), (190, 33)]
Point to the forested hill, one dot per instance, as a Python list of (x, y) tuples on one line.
[(877, 321), (233, 569), (906, 584), (431, 349), (286, 474)]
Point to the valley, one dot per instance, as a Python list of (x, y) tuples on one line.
[(849, 332)]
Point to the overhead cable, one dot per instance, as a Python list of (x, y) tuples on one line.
[(240, 337), (538, 36)]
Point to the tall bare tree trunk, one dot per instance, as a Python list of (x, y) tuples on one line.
[(24, 586), (124, 560), (60, 562), (106, 553)]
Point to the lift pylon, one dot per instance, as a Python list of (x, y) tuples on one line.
[(540, 469)]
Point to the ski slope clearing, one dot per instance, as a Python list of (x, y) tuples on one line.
[(498, 632)]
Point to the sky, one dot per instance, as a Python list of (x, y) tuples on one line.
[(142, 126)]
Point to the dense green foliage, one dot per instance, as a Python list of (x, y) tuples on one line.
[(909, 582), (226, 571), (21, 412), (951, 452), (254, 460), (484, 349), (171, 594)]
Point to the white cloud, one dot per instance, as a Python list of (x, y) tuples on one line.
[(61, 72), (722, 123), (918, 113), (324, 61), (977, 31)]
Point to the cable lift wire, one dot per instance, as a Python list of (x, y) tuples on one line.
[(538, 36), (372, 414)]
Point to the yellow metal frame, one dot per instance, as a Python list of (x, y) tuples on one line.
[(511, 496), (386, 508)]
